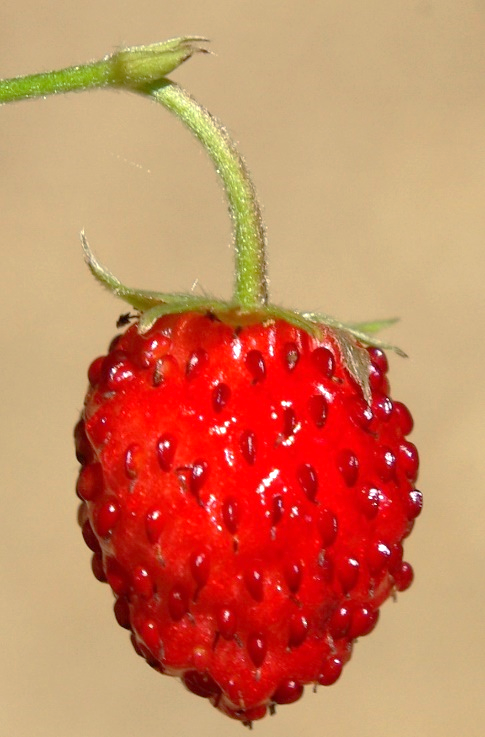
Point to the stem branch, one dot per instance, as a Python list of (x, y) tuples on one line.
[(143, 69)]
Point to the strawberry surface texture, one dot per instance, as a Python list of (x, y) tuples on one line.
[(245, 502)]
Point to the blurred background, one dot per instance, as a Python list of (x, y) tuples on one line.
[(364, 126)]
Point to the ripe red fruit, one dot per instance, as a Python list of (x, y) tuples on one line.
[(245, 503)]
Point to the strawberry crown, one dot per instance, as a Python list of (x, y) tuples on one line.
[(144, 70)]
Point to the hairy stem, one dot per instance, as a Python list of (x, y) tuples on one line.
[(125, 68), (99, 74), (250, 289)]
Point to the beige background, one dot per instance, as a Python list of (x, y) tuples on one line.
[(363, 122)]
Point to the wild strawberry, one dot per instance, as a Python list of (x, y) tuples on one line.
[(246, 480)]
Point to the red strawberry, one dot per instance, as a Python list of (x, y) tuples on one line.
[(244, 502), (246, 481)]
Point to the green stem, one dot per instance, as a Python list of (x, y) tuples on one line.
[(125, 68), (99, 74), (250, 290), (143, 69)]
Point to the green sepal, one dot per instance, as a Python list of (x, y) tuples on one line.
[(179, 303), (356, 359), (360, 331), (139, 299), (375, 326)]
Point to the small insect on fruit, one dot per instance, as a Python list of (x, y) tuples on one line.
[(246, 480)]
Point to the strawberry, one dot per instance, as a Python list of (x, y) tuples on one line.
[(246, 480), (244, 502)]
